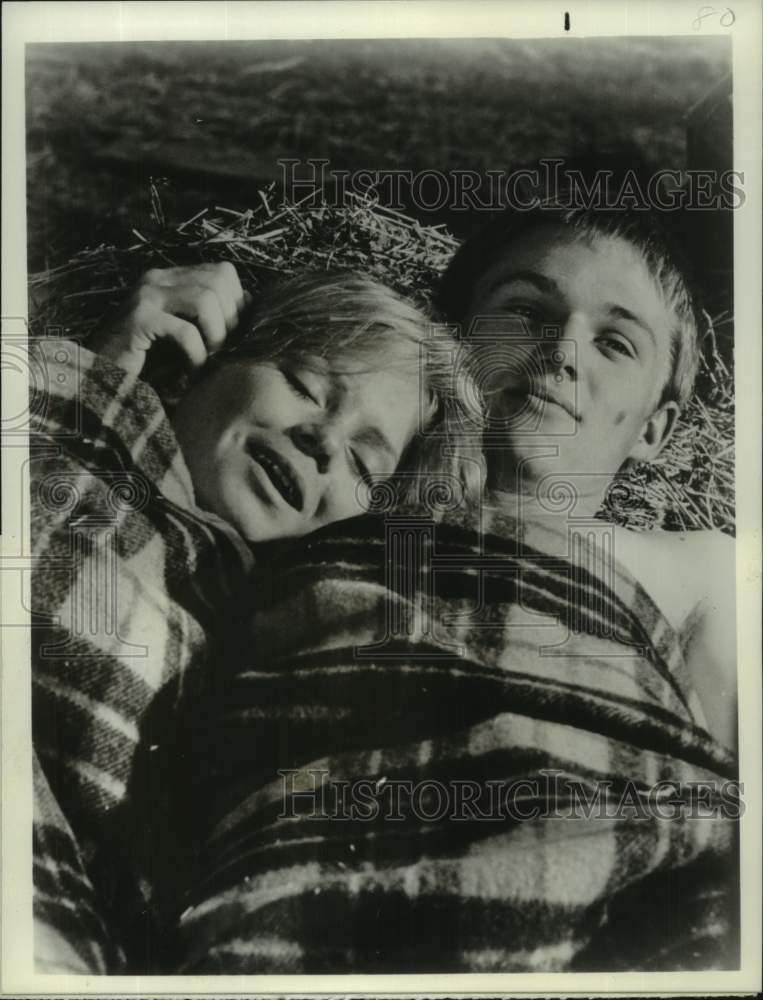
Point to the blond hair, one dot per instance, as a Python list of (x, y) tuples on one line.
[(343, 316)]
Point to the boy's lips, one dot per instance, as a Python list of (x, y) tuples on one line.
[(548, 396), (280, 471)]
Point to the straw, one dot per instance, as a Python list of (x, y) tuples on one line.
[(690, 487)]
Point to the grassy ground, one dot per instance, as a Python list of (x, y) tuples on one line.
[(214, 118)]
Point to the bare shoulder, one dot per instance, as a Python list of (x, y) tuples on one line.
[(680, 570), (691, 577), (683, 544), (706, 560), (699, 543)]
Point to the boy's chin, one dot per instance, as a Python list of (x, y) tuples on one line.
[(556, 482)]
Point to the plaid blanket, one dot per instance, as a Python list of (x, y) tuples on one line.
[(128, 588), (450, 751), (438, 746), (71, 935)]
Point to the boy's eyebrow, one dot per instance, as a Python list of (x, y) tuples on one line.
[(541, 282), (547, 285), (622, 313)]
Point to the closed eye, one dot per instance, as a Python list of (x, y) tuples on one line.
[(358, 464), (298, 386)]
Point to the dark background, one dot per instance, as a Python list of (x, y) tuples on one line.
[(211, 119)]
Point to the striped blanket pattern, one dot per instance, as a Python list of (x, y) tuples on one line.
[(129, 580), (71, 936), (179, 825), (442, 664)]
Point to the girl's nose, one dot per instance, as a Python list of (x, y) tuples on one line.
[(318, 441)]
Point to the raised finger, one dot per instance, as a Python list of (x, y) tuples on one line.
[(200, 305), (220, 278), (187, 337)]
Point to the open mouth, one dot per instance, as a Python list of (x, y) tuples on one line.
[(280, 472)]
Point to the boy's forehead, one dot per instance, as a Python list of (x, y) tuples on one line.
[(554, 261), (549, 247)]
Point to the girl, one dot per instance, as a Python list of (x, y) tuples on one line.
[(141, 522), (329, 385)]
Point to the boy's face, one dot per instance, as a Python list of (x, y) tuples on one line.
[(582, 400), (277, 450)]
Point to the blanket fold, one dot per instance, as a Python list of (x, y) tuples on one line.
[(459, 762), (128, 584), (468, 744)]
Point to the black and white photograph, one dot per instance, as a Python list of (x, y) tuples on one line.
[(381, 496)]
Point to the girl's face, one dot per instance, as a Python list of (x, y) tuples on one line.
[(279, 449)]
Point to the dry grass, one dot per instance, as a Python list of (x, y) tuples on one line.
[(216, 117), (692, 485)]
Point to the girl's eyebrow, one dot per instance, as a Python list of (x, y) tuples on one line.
[(376, 438)]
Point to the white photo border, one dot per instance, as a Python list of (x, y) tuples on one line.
[(94, 21)]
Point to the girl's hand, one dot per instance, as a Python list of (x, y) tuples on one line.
[(194, 307)]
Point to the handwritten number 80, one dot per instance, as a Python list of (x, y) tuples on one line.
[(726, 17)]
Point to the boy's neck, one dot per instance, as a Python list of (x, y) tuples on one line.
[(551, 498)]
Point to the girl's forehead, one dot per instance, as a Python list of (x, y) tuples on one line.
[(384, 405), (353, 374), (398, 359)]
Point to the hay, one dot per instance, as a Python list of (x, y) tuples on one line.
[(690, 487)]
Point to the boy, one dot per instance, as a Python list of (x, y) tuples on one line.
[(337, 690), (601, 352)]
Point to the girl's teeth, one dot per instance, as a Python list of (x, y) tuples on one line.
[(283, 485)]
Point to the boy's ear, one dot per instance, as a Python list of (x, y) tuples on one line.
[(655, 433)]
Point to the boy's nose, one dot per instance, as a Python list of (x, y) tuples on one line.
[(561, 355), (560, 360)]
